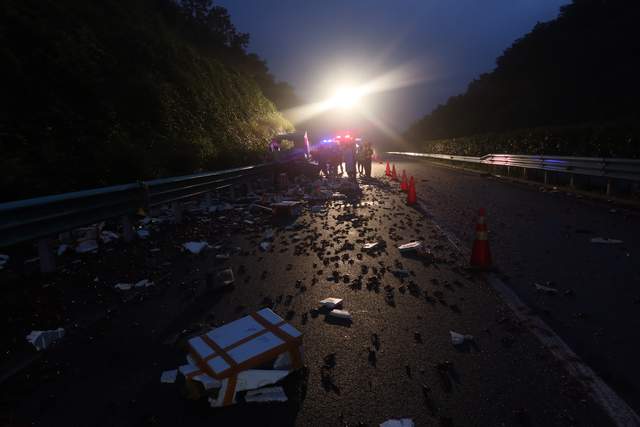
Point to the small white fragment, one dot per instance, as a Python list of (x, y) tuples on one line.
[(222, 256), (404, 422), (459, 339), (607, 241), (143, 233), (195, 247), (123, 286), (542, 288), (369, 246), (42, 339), (341, 314), (226, 276), (144, 283), (87, 246), (331, 303), (267, 394), (265, 246), (411, 246), (169, 377)]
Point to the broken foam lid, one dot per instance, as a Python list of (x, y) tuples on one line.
[(42, 339), (340, 314), (331, 303), (195, 247), (459, 339), (267, 394), (403, 422), (411, 246)]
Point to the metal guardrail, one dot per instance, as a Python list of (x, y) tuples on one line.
[(42, 217), (610, 168)]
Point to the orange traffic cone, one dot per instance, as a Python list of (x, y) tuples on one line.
[(480, 254), (387, 172), (394, 176), (404, 185), (411, 195)]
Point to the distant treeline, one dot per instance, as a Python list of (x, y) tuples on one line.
[(582, 67), (103, 92)]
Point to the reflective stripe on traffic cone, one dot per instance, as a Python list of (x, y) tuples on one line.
[(404, 185), (480, 254), (387, 172), (411, 195), (394, 176)]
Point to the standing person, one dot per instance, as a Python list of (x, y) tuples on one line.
[(339, 153), (360, 159), (368, 154), (350, 160)]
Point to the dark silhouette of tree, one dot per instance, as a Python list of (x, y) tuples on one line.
[(580, 68)]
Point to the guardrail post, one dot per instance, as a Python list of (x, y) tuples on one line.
[(47, 258), (128, 233), (177, 211)]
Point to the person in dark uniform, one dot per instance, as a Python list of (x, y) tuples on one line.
[(367, 155)]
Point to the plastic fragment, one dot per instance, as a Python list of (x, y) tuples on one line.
[(341, 314), (42, 339), (331, 303), (169, 377)]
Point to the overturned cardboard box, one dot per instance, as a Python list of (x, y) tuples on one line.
[(252, 352)]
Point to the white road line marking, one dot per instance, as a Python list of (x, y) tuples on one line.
[(619, 411)]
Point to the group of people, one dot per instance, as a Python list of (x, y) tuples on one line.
[(336, 159)]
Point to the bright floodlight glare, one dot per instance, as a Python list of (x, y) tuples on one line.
[(345, 97)]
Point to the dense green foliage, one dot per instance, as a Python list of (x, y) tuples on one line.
[(582, 67), (104, 92)]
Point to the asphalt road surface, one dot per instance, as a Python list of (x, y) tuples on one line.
[(540, 236), (394, 360)]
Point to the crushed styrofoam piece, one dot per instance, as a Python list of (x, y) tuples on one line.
[(256, 378), (370, 246), (265, 246), (283, 361), (143, 233), (267, 394), (87, 246), (340, 314), (123, 286), (411, 246), (458, 339), (4, 259), (606, 241), (42, 339), (403, 422), (62, 249), (144, 283), (207, 381), (547, 289), (195, 247), (169, 377), (331, 303), (108, 236)]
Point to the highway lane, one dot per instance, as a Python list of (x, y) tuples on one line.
[(540, 236), (108, 375)]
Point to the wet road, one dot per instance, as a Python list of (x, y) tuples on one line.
[(540, 236), (395, 360)]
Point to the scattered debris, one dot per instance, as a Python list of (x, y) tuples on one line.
[(4, 259), (371, 246), (43, 339), (169, 377), (267, 394), (195, 247), (226, 277), (252, 341), (143, 233), (410, 247), (459, 339), (265, 246), (123, 286), (144, 283), (547, 289), (331, 303), (107, 236), (87, 246), (403, 422), (340, 314), (607, 241), (61, 249)]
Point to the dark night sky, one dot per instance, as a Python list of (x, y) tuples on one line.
[(445, 43)]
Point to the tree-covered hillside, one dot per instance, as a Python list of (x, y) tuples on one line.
[(581, 68), (103, 92)]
